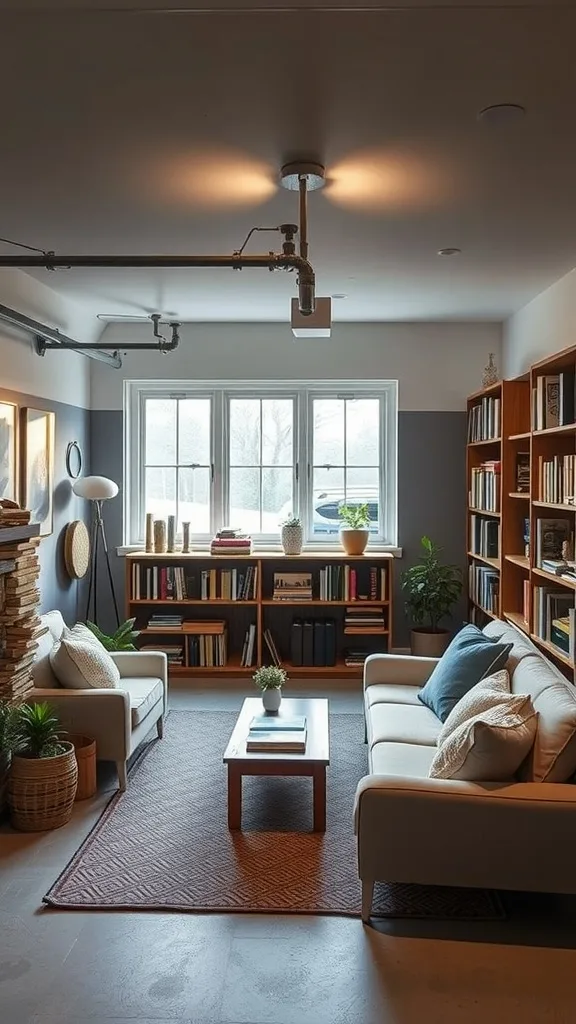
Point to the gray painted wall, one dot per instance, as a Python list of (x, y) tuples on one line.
[(431, 494), (72, 424)]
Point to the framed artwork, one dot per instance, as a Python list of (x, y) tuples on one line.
[(8, 423), (37, 442)]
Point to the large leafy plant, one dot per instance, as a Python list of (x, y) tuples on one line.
[(35, 731), (431, 588), (356, 517), (122, 640)]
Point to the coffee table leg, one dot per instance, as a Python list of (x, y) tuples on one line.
[(320, 799), (234, 797)]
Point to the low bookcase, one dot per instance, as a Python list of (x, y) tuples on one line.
[(317, 614)]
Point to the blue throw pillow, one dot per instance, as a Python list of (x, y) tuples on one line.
[(470, 657)]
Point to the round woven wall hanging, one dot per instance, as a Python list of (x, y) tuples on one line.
[(77, 549)]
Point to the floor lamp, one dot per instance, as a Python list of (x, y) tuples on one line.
[(97, 489)]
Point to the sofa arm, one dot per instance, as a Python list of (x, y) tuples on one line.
[(398, 668), (446, 832), (142, 664), (104, 715)]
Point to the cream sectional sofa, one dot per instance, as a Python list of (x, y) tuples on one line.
[(117, 719), (504, 835)]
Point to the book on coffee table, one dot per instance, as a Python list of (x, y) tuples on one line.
[(276, 741), (274, 723)]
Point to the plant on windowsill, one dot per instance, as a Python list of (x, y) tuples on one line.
[(121, 640), (355, 528), (292, 536), (270, 679), (43, 774), (432, 589)]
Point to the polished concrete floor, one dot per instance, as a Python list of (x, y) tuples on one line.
[(72, 968)]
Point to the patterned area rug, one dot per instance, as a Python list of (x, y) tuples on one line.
[(165, 844)]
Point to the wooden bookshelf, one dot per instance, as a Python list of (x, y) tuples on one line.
[(261, 610)]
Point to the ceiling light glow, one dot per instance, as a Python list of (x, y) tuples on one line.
[(212, 178), (380, 180)]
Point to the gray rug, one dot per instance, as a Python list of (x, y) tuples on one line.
[(165, 844)]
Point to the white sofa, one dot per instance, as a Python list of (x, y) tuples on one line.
[(117, 719), (503, 835)]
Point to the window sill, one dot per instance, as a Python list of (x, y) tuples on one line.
[(310, 549)]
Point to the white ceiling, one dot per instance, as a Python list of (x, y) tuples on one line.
[(125, 132)]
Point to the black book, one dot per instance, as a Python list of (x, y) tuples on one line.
[(307, 643), (566, 396), (319, 643), (492, 533), (296, 642), (330, 638)]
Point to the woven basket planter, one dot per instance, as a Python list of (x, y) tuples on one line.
[(41, 790)]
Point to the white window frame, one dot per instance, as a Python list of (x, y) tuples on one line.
[(303, 393)]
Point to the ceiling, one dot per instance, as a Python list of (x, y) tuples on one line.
[(132, 132)]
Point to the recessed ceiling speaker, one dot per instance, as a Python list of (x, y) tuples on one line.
[(317, 325)]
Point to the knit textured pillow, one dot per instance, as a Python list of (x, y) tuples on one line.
[(80, 662), (486, 694), (489, 747)]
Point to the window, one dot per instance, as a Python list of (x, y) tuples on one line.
[(250, 455)]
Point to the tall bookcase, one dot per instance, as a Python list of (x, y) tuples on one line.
[(262, 609), (523, 433)]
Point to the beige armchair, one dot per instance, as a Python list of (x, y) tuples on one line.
[(117, 719)]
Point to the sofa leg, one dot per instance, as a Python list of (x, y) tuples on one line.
[(160, 727), (367, 897), (122, 780)]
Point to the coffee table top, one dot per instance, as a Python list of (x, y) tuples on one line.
[(315, 710)]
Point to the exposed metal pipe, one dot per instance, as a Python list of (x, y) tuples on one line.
[(271, 261), (163, 344), (303, 190), (48, 337)]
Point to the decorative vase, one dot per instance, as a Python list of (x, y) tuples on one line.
[(149, 532), (292, 540), (354, 541), (272, 698), (41, 790), (159, 536), (171, 533), (185, 538), (490, 375)]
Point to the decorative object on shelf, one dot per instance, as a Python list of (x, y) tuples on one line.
[(171, 542), (122, 640), (186, 538), (73, 459), (149, 532), (292, 536), (431, 590), (8, 420), (97, 489), (38, 467), (355, 528), (270, 679), (159, 536), (490, 374), (77, 550), (43, 775)]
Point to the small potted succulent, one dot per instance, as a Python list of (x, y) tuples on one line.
[(355, 528), (44, 774), (292, 536), (270, 679)]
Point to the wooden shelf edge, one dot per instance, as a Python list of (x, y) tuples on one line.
[(483, 512), (520, 437), (553, 650), (558, 580), (487, 440), (550, 504), (492, 389), (520, 560), (188, 601), (517, 619), (568, 428), (520, 494), (493, 562)]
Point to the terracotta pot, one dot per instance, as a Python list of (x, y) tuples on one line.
[(272, 698), (425, 644), (354, 541)]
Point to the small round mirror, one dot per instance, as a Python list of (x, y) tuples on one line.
[(74, 460)]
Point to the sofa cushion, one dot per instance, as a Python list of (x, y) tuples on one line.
[(506, 633), (79, 661), (470, 656), (392, 693), (491, 746), (407, 759), (144, 695), (553, 757), (486, 694), (403, 723), (42, 674)]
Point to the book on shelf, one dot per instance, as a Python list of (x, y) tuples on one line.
[(485, 486), (174, 652), (553, 400), (165, 622), (526, 536), (526, 601), (276, 741), (554, 616), (208, 650), (484, 537), (158, 582), (229, 541), (557, 479), (229, 584), (340, 583), (364, 621), (484, 586), (292, 586), (248, 656), (355, 658), (272, 649), (279, 722), (523, 472), (551, 537), (484, 420)]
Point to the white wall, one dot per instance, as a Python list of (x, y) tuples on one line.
[(545, 325), (437, 365)]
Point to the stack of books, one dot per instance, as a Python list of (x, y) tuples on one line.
[(557, 479), (164, 623), (313, 642), (292, 586), (173, 652), (485, 486), (340, 583), (553, 400), (231, 542), (158, 583), (277, 735), (355, 658), (484, 420), (249, 648), (484, 537), (13, 516), (364, 621), (554, 618)]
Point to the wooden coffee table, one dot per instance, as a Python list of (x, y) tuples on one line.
[(312, 763)]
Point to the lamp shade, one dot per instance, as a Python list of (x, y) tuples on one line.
[(95, 488)]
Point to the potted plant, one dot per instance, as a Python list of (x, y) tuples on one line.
[(122, 640), (431, 590), (292, 535), (355, 528), (43, 775), (270, 679), (6, 728)]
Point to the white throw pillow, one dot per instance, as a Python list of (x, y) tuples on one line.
[(80, 662), (486, 694), (491, 746)]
